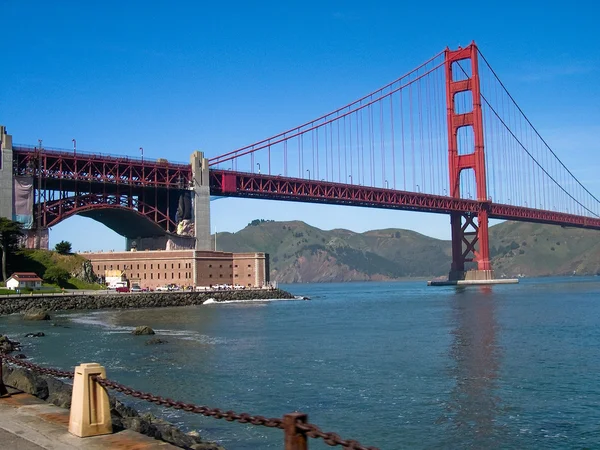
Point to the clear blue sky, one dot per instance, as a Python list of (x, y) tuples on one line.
[(174, 77)]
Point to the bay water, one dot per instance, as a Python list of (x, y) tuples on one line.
[(393, 365)]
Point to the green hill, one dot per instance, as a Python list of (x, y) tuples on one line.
[(39, 261), (302, 253)]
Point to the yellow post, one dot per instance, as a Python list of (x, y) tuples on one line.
[(90, 411)]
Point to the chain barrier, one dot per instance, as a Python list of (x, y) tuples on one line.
[(294, 436)]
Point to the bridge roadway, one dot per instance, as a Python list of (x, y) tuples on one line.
[(28, 423)]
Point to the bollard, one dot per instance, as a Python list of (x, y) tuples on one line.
[(3, 390), (295, 439), (90, 411)]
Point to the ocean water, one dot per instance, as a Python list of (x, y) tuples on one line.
[(393, 365)]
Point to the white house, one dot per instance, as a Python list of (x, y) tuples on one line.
[(20, 280)]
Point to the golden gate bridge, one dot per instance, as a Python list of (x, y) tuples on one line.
[(447, 137)]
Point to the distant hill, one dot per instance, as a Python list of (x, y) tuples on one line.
[(302, 253)]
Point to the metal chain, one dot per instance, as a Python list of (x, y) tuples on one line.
[(331, 439), (311, 430), (35, 368)]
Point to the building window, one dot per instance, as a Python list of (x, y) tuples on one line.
[(249, 275), (236, 265), (150, 276), (179, 266), (179, 275), (117, 267), (104, 266), (249, 266), (230, 266), (158, 276), (236, 275), (220, 275), (144, 266), (144, 276), (220, 266), (150, 266), (111, 267), (210, 276), (172, 275), (210, 265), (138, 267)]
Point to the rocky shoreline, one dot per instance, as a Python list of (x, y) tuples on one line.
[(58, 393), (18, 304)]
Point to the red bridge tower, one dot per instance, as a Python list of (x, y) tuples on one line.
[(469, 230)]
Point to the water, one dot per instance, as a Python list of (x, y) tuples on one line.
[(394, 365)]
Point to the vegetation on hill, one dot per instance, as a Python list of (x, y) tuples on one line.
[(302, 253), (68, 271)]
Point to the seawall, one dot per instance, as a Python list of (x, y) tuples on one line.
[(15, 304)]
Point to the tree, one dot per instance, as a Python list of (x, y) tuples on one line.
[(57, 275), (10, 232), (63, 247)]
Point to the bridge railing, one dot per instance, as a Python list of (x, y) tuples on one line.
[(103, 155), (295, 426)]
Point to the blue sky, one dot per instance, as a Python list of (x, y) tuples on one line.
[(181, 76)]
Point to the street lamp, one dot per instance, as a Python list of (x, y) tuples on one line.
[(418, 188), (142, 151), (258, 164), (350, 176), (308, 170), (74, 146), (386, 184)]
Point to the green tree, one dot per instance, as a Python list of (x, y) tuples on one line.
[(57, 275), (63, 247), (10, 232)]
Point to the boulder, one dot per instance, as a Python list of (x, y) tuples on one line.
[(141, 330), (7, 346), (38, 334), (36, 314), (155, 341)]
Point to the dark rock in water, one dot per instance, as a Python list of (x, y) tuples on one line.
[(154, 341), (141, 330), (20, 356), (38, 334), (36, 314)]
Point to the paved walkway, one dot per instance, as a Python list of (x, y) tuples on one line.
[(28, 423)]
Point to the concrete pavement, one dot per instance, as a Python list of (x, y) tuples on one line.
[(28, 423)]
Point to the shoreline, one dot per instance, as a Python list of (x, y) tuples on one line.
[(18, 304)]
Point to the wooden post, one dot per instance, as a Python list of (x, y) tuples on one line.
[(295, 439)]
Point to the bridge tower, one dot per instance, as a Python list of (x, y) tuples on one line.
[(201, 188), (6, 174), (469, 230)]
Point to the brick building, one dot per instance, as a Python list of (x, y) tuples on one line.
[(153, 268)]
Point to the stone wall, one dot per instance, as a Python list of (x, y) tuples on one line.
[(14, 304)]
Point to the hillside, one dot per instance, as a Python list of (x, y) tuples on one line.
[(302, 253), (39, 261)]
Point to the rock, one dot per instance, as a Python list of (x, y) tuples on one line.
[(20, 356), (85, 272), (38, 334), (155, 341), (7, 346), (36, 314), (142, 330)]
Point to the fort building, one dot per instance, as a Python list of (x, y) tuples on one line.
[(154, 268)]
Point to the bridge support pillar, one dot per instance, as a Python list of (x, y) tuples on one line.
[(6, 174), (469, 229), (201, 188)]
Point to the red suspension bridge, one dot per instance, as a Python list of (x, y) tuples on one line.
[(447, 137)]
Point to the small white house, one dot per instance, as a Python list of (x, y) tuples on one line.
[(20, 280)]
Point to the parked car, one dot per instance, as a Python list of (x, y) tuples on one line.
[(136, 288), (122, 289), (162, 288)]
